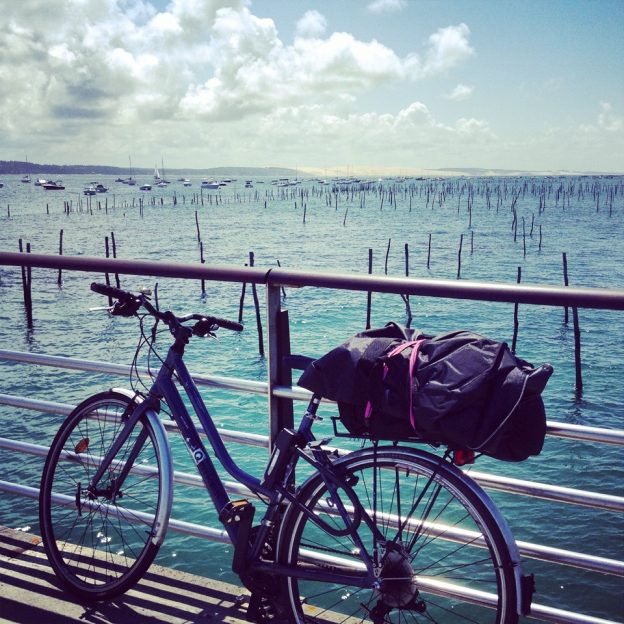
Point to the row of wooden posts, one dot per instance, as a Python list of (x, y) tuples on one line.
[(111, 250)]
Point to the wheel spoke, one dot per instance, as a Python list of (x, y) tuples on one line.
[(103, 548), (442, 548)]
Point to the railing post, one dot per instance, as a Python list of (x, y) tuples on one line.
[(280, 410)]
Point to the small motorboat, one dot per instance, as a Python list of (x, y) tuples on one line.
[(89, 190), (210, 184), (40, 182), (54, 186), (145, 187)]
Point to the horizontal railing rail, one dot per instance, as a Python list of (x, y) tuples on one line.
[(495, 482), (527, 549), (273, 280), (602, 298)]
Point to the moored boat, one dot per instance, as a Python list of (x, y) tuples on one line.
[(210, 184), (145, 187), (54, 186)]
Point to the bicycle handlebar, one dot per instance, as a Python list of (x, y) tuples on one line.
[(111, 291), (128, 304)]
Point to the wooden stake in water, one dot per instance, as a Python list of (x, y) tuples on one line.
[(197, 226), (461, 242), (202, 261), (577, 353), (429, 252), (516, 321), (257, 307), (241, 301), (114, 246), (59, 279), (406, 299), (106, 276), (565, 283), (26, 286), (523, 238)]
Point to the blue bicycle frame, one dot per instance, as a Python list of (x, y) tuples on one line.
[(164, 387)]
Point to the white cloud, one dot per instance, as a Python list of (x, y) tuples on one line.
[(412, 135), (607, 120), (120, 76), (460, 92), (386, 6), (312, 24), (447, 47)]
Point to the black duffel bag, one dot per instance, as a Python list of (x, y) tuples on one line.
[(459, 389)]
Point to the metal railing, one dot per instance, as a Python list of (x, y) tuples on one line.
[(280, 394)]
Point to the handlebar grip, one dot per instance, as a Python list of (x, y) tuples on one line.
[(207, 324), (232, 325), (110, 291)]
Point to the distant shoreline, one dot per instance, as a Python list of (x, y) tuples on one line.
[(16, 167)]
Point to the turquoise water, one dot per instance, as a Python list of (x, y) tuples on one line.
[(579, 216)]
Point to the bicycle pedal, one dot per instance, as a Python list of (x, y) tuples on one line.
[(236, 511)]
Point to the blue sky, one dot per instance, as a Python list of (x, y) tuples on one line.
[(371, 85)]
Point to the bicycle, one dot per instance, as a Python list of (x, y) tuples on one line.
[(386, 533)]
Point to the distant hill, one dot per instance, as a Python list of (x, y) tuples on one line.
[(21, 167)]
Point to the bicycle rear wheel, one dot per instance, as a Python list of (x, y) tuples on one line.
[(443, 556), (101, 543)]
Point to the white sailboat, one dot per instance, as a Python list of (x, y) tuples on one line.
[(26, 176), (162, 181), (130, 181)]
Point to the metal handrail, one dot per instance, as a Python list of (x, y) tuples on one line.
[(554, 428), (601, 298), (546, 491)]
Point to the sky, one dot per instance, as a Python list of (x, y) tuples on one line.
[(336, 85)]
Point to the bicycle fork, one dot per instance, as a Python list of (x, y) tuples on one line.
[(113, 490)]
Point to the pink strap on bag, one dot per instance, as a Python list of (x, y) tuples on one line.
[(415, 345)]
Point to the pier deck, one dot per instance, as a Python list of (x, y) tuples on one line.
[(29, 593)]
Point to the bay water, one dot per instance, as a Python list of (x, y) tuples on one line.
[(503, 224)]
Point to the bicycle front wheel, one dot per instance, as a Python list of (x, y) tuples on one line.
[(101, 540), (438, 550)]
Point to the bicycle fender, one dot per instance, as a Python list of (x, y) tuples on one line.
[(131, 394)]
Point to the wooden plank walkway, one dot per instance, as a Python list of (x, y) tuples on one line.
[(29, 593)]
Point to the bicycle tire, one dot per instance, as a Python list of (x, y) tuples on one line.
[(100, 546), (450, 556)]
